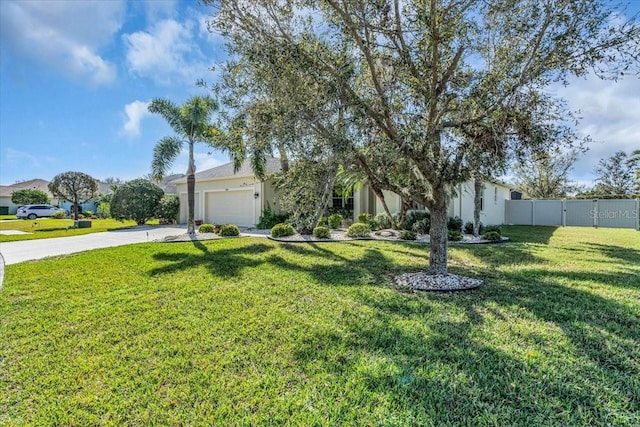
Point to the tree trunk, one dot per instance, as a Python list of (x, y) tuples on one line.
[(477, 198), (405, 204), (191, 190), (438, 233)]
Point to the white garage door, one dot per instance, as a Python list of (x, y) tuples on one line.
[(230, 207)]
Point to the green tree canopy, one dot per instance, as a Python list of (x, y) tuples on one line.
[(138, 200), (29, 196), (391, 85), (75, 187)]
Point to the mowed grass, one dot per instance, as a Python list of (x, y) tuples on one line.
[(252, 332), (44, 228)]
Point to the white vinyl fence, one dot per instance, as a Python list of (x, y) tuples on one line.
[(618, 213)]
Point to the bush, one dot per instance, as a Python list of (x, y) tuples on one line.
[(323, 221), (60, 214), (228, 230), (335, 220), (321, 232), (383, 221), (282, 230), (422, 226), (454, 224), (137, 200), (407, 235), (364, 218), (358, 230), (168, 208), (491, 235), (414, 216), (494, 228), (205, 228), (455, 235), (269, 218), (104, 210), (468, 228), (87, 213)]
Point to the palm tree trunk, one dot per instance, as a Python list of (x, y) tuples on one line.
[(438, 233), (191, 187), (477, 196)]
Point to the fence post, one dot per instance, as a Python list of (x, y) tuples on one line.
[(564, 212), (595, 213), (533, 212), (637, 214)]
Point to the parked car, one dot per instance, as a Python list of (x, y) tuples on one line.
[(35, 211)]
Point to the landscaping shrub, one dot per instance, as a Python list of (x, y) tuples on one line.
[(413, 216), (495, 228), (59, 214), (87, 213), (455, 235), (422, 226), (491, 235), (137, 200), (358, 230), (454, 224), (383, 221), (282, 230), (104, 210), (29, 196), (228, 230), (322, 232), (205, 228), (168, 208), (407, 235), (364, 218), (468, 228), (335, 220), (269, 218)]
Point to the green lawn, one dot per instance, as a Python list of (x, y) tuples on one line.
[(44, 228), (252, 332)]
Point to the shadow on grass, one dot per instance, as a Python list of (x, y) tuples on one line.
[(219, 262)]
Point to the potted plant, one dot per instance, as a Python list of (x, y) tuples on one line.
[(216, 228), (197, 222)]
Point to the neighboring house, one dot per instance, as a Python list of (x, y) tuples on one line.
[(167, 184), (492, 210), (6, 190), (225, 197), (91, 205)]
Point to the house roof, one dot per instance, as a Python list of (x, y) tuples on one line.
[(34, 184), (226, 171)]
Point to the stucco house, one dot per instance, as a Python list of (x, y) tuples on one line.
[(6, 190), (492, 212), (225, 197)]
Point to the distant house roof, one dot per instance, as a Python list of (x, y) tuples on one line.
[(226, 171), (34, 184), (168, 185)]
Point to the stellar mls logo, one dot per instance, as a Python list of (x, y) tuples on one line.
[(614, 214)]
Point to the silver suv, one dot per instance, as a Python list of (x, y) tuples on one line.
[(35, 211)]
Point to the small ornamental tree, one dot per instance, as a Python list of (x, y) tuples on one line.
[(29, 196), (137, 200), (75, 187), (168, 208)]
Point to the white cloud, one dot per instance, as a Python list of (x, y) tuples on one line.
[(610, 115), (21, 158), (165, 53), (65, 35), (135, 112)]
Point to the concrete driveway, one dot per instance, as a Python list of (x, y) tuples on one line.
[(27, 250)]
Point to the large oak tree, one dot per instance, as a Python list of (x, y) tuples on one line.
[(393, 82)]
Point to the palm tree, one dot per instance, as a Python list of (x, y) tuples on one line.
[(191, 123)]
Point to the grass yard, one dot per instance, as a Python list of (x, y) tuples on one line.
[(44, 228), (252, 332)]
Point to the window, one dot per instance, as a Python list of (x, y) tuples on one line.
[(340, 202)]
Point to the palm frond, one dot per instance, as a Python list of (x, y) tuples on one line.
[(164, 153), (170, 112)]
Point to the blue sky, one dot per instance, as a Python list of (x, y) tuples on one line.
[(76, 77)]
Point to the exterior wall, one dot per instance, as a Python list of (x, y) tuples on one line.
[(6, 201), (493, 212), (494, 197), (206, 189)]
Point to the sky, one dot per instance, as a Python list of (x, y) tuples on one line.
[(76, 78)]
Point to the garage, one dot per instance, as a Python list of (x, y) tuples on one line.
[(230, 207)]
